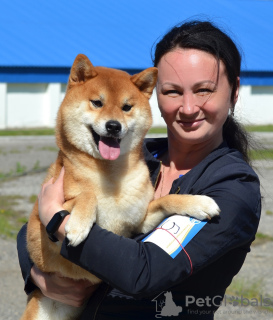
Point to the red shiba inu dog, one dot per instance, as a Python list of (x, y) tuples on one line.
[(101, 125)]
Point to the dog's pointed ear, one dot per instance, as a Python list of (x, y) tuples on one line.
[(146, 81), (81, 70)]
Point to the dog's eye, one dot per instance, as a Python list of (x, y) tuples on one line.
[(127, 107), (96, 103)]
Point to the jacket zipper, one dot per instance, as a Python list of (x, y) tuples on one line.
[(155, 184)]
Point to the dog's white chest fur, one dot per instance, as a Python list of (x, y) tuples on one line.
[(116, 199), (122, 205)]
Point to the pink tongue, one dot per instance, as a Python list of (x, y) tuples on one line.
[(109, 148)]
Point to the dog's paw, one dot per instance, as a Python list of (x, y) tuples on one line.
[(77, 230), (205, 208)]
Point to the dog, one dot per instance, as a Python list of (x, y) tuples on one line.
[(100, 128)]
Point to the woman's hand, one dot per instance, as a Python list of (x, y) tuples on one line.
[(54, 286), (51, 198), (65, 290)]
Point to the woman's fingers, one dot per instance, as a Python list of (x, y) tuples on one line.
[(65, 290), (60, 179), (51, 198)]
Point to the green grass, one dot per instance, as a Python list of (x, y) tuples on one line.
[(14, 151), (158, 130), (3, 152), (36, 165), (19, 169), (11, 220), (245, 288), (27, 132), (261, 128), (251, 290), (261, 238), (50, 131), (263, 154), (49, 148), (32, 198)]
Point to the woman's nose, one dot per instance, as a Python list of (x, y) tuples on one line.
[(188, 105)]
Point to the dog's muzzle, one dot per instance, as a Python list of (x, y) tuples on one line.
[(109, 145)]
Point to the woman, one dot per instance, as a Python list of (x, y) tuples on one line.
[(206, 152)]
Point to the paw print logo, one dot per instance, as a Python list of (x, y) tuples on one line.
[(234, 301)]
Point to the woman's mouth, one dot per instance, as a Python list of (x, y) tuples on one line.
[(190, 123)]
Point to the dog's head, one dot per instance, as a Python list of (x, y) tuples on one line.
[(105, 111)]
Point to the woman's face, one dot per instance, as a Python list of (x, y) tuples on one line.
[(194, 96)]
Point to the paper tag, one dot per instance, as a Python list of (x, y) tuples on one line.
[(174, 233)]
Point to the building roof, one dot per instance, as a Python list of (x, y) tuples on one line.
[(120, 33)]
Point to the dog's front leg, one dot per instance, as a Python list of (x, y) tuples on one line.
[(198, 206), (82, 218)]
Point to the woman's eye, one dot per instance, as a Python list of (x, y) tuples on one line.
[(171, 93), (96, 103), (204, 91), (127, 107)]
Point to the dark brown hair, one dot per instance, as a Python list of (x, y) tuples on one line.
[(205, 36)]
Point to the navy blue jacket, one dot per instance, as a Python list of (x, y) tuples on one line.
[(136, 273)]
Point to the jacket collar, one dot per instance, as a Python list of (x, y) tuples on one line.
[(152, 147), (155, 146)]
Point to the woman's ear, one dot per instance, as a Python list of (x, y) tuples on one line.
[(236, 94)]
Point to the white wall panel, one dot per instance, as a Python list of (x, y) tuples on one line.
[(255, 105), (3, 105), (25, 105), (36, 105), (51, 104), (157, 119)]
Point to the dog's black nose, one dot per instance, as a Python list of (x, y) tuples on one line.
[(113, 127)]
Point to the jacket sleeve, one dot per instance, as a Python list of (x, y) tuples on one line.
[(24, 260), (142, 269)]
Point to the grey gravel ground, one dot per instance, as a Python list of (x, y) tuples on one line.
[(38, 152)]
